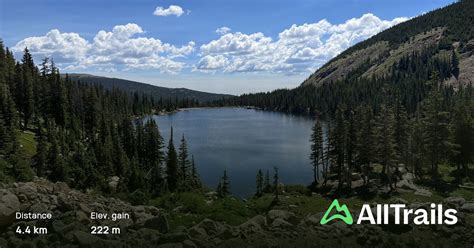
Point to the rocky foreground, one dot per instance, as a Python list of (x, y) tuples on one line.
[(148, 226)]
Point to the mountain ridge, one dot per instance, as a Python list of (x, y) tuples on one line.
[(443, 27), (156, 91)]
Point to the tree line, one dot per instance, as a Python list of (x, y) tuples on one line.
[(85, 134), (440, 131)]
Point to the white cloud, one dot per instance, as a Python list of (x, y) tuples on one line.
[(209, 62), (117, 49), (300, 48), (296, 50), (171, 10), (65, 47), (223, 30)]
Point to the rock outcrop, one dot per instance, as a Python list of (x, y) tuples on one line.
[(149, 226)]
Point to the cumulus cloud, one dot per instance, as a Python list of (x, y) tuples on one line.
[(209, 62), (171, 10), (223, 30), (65, 47), (122, 48), (300, 48)]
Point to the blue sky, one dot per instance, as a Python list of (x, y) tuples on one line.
[(265, 44)]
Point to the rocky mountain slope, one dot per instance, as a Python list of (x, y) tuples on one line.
[(449, 28)]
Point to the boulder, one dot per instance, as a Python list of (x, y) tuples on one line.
[(406, 184), (113, 183), (281, 214), (84, 239), (423, 192), (468, 207), (398, 201), (250, 227), (313, 220), (281, 224), (159, 223), (455, 201), (61, 187), (198, 233), (209, 225), (260, 220), (9, 204), (171, 245), (174, 238), (189, 244)]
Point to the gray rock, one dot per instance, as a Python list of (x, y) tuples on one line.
[(9, 204), (398, 201), (82, 218), (174, 238), (198, 233), (189, 244), (159, 223), (455, 201), (281, 214), (423, 192), (313, 220), (251, 227), (280, 223), (113, 182), (61, 187), (84, 239), (468, 207), (171, 245), (210, 226)]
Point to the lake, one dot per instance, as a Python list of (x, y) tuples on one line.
[(243, 141)]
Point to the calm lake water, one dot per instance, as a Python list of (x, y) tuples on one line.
[(243, 141)]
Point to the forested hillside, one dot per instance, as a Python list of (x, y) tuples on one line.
[(83, 134), (157, 92), (403, 97)]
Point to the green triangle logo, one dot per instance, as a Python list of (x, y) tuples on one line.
[(347, 217)]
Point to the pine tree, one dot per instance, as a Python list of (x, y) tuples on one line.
[(327, 153), (463, 136), (154, 156), (401, 135), (365, 140), (41, 156), (436, 126), (454, 64), (56, 164), (316, 150), (196, 182), (276, 187), (385, 138), (172, 171), (338, 144), (223, 188), (25, 88), (259, 182), (350, 151), (21, 167), (385, 142), (416, 146), (267, 187), (183, 162)]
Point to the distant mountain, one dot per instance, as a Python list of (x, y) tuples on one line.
[(446, 30), (398, 66), (155, 91)]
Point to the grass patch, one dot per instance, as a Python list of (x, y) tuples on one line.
[(28, 143), (192, 207)]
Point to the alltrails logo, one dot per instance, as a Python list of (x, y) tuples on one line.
[(347, 217), (401, 214)]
